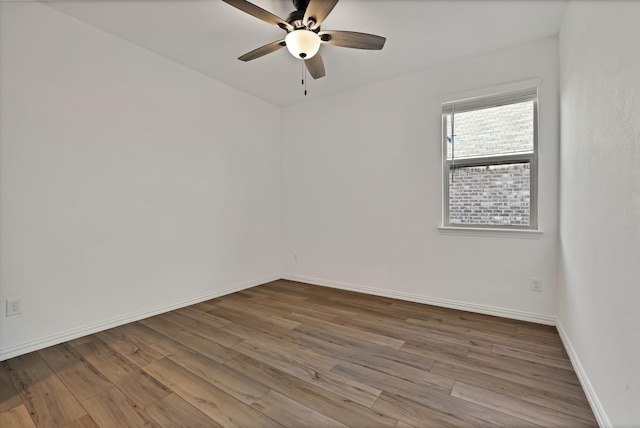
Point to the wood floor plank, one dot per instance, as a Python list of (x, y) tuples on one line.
[(249, 334), (9, 395), (182, 335), (233, 383), (347, 331), (255, 324), (344, 411), (515, 339), (510, 364), (541, 334), (130, 379), (410, 332), (288, 351), (526, 391), (201, 315), (142, 333), (112, 408), (435, 350), (391, 383), (17, 417), (548, 331), (334, 345), (313, 310), (174, 412), (320, 304), (339, 350), (347, 388), (517, 408), (345, 311), (465, 319), (250, 294), (280, 295), (400, 370), (137, 351), (254, 308), (451, 407), (84, 422), (80, 340), (203, 329), (80, 377), (207, 306), (414, 414), (290, 413), (47, 399), (282, 322), (300, 364), (350, 302), (501, 370), (216, 404), (533, 356), (362, 301), (414, 310), (425, 312)]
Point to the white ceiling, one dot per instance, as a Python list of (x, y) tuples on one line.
[(209, 36)]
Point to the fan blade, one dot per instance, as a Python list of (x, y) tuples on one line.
[(263, 50), (318, 10), (315, 65), (351, 39), (259, 13)]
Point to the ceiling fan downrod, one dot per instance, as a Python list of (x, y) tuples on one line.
[(301, 5)]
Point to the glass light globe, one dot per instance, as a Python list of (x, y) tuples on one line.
[(303, 43)]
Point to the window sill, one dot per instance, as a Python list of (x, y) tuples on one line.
[(492, 232)]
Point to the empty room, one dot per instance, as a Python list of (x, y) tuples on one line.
[(314, 213)]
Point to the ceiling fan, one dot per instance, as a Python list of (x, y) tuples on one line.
[(304, 37)]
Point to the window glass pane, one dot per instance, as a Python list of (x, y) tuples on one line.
[(490, 195), (492, 131)]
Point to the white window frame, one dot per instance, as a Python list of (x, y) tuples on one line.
[(495, 99)]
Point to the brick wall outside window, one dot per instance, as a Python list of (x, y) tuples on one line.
[(492, 131), (495, 195)]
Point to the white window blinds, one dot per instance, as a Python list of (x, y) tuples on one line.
[(489, 101)]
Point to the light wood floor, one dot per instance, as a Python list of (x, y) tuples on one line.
[(290, 354)]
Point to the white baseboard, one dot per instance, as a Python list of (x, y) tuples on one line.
[(596, 405), (44, 342), (435, 301)]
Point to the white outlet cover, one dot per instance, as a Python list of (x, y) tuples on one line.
[(536, 284), (14, 307)]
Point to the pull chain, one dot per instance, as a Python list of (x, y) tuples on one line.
[(304, 77)]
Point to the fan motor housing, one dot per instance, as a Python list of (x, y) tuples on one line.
[(296, 19), (301, 4)]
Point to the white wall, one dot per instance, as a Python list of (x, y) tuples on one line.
[(129, 184), (362, 192), (599, 287)]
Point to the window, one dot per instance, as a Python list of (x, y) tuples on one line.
[(490, 161)]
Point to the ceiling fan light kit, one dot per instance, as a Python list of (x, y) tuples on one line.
[(303, 43), (303, 39)]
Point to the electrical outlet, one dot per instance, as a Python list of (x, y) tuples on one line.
[(14, 307), (536, 284)]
